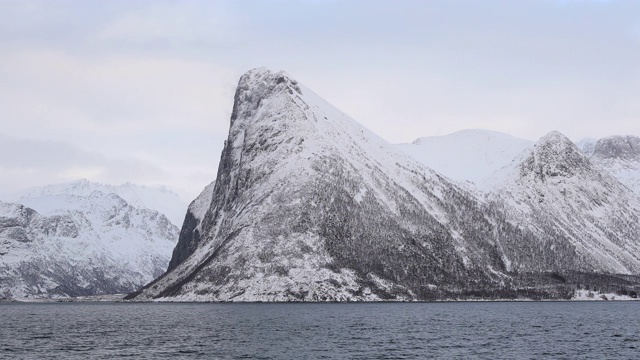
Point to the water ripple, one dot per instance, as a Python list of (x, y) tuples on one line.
[(319, 331)]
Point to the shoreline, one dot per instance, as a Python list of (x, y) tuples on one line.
[(119, 298)]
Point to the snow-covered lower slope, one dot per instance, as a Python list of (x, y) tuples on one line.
[(155, 198), (81, 245), (584, 218), (620, 156), (468, 155)]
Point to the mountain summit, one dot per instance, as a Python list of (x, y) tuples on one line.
[(620, 156), (554, 155), (618, 147), (308, 205)]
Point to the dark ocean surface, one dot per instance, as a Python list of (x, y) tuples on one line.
[(465, 330)]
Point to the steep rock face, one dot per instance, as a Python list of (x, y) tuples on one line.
[(81, 245), (620, 155), (309, 205), (191, 229), (584, 219)]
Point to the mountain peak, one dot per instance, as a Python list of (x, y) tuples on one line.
[(552, 156), (310, 206), (618, 147), (584, 212), (262, 76), (259, 84), (557, 145), (555, 137)]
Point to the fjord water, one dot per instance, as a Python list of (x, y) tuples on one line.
[(509, 330)]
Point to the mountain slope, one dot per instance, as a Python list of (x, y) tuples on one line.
[(620, 156), (468, 155), (81, 245), (585, 219), (155, 198), (309, 205)]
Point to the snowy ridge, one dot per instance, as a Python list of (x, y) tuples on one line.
[(80, 245), (620, 156), (155, 198), (467, 155)]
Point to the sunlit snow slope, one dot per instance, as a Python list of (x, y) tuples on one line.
[(468, 155)]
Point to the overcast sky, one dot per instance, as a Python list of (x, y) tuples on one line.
[(142, 91)]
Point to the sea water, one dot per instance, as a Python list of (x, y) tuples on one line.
[(464, 330)]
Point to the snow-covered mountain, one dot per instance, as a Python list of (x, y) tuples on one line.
[(308, 205), (587, 145), (467, 155), (474, 155), (584, 218), (80, 245), (620, 156), (155, 198)]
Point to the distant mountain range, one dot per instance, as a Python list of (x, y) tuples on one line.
[(308, 205), (154, 198), (81, 238), (474, 155)]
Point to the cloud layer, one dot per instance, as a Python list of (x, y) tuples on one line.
[(142, 91), (25, 162)]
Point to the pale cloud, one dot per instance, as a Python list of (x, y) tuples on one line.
[(166, 22), (181, 26), (152, 82), (160, 110), (25, 163), (401, 106), (125, 93)]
